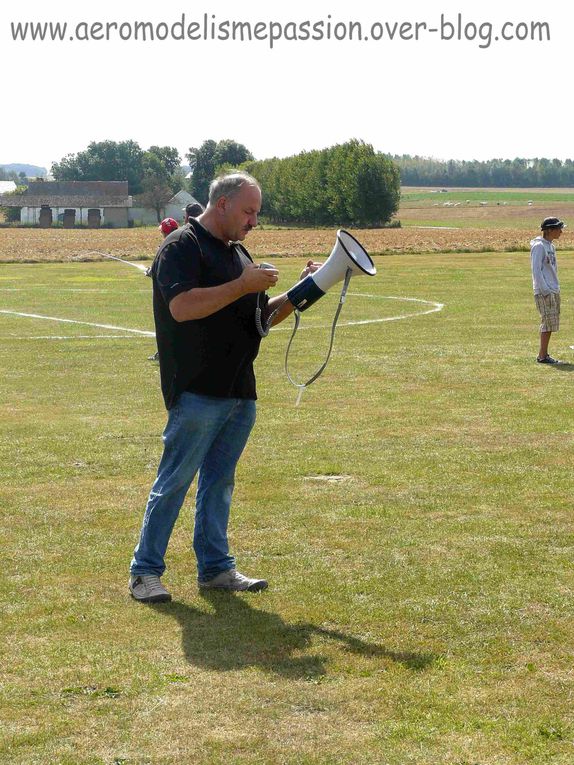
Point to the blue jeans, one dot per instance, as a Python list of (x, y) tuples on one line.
[(206, 434)]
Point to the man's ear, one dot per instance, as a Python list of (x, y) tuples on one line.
[(221, 205)]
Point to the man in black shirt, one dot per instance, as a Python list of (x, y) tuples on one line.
[(205, 288)]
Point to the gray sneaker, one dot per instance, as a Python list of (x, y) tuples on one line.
[(148, 589), (234, 581)]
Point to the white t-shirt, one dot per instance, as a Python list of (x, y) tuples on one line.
[(544, 268)]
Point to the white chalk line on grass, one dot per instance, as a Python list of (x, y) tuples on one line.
[(435, 307), (99, 290), (73, 337), (144, 332)]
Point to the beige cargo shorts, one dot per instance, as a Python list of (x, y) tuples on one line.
[(549, 309)]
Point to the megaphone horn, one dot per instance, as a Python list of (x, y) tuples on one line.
[(347, 255)]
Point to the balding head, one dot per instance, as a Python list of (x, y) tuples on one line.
[(230, 184)]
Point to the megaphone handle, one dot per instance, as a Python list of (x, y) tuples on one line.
[(319, 372)]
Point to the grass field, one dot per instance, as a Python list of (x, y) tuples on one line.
[(417, 194), (413, 516), (493, 210)]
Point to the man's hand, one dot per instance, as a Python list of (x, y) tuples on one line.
[(310, 268), (281, 303), (255, 279)]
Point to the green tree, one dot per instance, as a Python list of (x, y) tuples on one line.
[(202, 166), (348, 184), (168, 156), (228, 152), (170, 160), (518, 172), (206, 160), (104, 161), (12, 214), (121, 161), (156, 185)]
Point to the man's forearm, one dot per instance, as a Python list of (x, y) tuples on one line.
[(285, 310), (200, 302)]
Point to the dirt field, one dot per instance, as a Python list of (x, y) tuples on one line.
[(29, 245), (460, 220)]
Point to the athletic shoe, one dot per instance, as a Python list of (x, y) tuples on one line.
[(233, 581), (148, 589), (547, 360)]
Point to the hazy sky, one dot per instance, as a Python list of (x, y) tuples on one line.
[(465, 99)]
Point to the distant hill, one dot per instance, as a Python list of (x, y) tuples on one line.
[(31, 171)]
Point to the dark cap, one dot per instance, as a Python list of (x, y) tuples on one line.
[(552, 223), (193, 209)]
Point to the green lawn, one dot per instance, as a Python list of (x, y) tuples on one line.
[(489, 195), (413, 516)]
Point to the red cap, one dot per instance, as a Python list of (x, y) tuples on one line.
[(168, 225)]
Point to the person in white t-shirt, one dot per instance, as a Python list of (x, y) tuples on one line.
[(545, 283)]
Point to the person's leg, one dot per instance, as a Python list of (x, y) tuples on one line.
[(187, 438), (214, 491), (543, 305), (549, 307), (544, 341)]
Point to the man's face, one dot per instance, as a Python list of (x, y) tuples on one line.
[(554, 233), (241, 211)]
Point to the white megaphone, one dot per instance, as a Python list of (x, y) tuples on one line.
[(348, 255)]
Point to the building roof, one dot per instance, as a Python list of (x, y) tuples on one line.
[(7, 186), (182, 198), (71, 194)]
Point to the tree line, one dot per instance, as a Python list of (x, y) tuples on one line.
[(539, 172), (154, 175), (347, 184)]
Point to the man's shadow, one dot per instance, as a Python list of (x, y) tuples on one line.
[(235, 636)]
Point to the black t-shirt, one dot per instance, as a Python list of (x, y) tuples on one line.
[(212, 356)]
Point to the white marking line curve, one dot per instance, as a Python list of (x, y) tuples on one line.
[(74, 337), (56, 289), (98, 290), (146, 333), (436, 307)]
